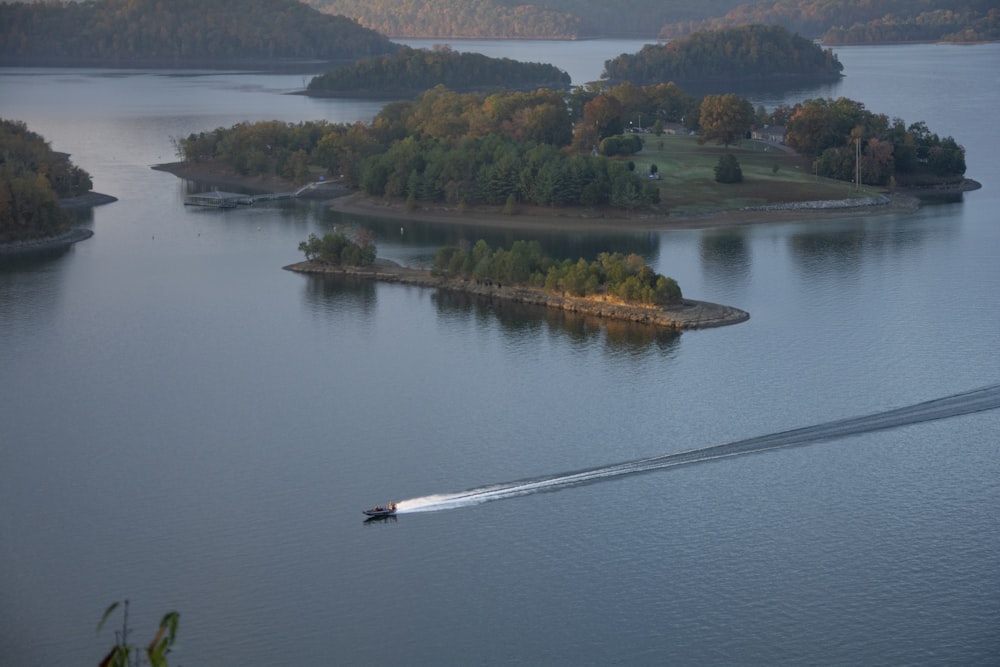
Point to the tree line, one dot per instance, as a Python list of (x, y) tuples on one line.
[(412, 70), (872, 21), (626, 278), (754, 52), (156, 31), (33, 178)]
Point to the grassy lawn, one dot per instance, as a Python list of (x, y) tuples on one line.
[(687, 176)]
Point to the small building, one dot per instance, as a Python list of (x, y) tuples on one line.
[(772, 133)]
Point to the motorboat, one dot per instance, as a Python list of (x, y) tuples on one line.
[(381, 510)]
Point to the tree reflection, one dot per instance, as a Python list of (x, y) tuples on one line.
[(725, 258), (338, 294), (519, 320)]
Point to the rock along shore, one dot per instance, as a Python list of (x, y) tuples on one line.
[(67, 238), (688, 314), (46, 244)]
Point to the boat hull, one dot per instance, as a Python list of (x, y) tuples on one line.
[(377, 513)]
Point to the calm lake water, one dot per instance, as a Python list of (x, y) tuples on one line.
[(185, 424)]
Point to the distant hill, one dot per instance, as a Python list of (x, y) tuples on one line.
[(179, 32), (852, 22), (746, 54), (410, 71), (836, 21), (516, 19)]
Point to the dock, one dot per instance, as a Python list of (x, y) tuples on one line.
[(221, 199)]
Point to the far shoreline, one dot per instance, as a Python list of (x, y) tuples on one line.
[(563, 219)]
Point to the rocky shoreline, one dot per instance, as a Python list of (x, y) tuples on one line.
[(45, 244), (688, 314)]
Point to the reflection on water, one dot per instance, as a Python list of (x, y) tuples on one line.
[(836, 252), (844, 248), (559, 244), (528, 321), (725, 257), (340, 295)]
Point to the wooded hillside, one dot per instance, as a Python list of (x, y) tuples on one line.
[(836, 21), (156, 32), (872, 21), (515, 19)]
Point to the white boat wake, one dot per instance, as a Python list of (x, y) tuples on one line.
[(977, 400)]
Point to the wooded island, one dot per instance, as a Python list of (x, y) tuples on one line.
[(410, 71), (613, 286)]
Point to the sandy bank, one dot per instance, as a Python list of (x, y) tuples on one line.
[(688, 314)]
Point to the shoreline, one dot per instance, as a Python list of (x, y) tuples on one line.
[(45, 244), (566, 219), (604, 221), (686, 315), (72, 235)]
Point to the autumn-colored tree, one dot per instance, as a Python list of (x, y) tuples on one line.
[(725, 119)]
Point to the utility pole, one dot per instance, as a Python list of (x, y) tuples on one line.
[(857, 164)]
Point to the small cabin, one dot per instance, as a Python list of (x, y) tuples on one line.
[(772, 133)]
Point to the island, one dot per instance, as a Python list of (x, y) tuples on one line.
[(753, 53), (612, 153), (410, 71), (613, 286)]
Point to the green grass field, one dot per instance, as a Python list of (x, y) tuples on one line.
[(687, 176)]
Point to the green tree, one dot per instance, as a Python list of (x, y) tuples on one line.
[(728, 169), (339, 249)]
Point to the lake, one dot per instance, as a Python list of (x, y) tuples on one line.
[(184, 424)]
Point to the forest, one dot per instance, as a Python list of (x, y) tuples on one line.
[(626, 278), (834, 21), (869, 22), (33, 178), (747, 53), (203, 32), (409, 71)]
